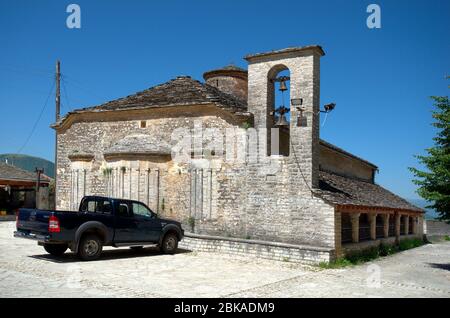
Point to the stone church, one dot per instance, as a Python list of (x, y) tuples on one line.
[(247, 177)]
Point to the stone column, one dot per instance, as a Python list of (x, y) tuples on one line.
[(373, 225), (421, 225), (355, 227), (414, 226), (386, 225), (338, 233), (397, 225), (406, 225)]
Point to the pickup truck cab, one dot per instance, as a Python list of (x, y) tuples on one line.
[(100, 221)]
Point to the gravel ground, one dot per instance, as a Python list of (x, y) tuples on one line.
[(27, 271)]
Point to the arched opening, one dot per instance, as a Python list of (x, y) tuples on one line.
[(278, 110)]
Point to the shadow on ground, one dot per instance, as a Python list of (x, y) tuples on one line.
[(445, 267), (107, 255)]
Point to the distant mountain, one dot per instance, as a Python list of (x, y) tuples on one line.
[(29, 163), (421, 203)]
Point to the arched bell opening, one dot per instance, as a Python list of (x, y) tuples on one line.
[(278, 111)]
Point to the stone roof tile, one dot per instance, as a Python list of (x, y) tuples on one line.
[(10, 172), (180, 91), (342, 190)]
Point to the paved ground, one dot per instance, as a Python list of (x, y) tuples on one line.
[(27, 271)]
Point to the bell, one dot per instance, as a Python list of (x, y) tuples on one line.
[(283, 86), (282, 121)]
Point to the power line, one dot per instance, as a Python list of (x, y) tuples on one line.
[(65, 92), (33, 72), (81, 86), (37, 120)]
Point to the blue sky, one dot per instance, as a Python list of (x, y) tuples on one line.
[(380, 79)]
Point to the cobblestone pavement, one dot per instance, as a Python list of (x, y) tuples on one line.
[(27, 271)]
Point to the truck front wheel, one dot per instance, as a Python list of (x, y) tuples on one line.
[(90, 247), (55, 249), (169, 243)]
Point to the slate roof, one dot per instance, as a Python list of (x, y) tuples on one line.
[(180, 91), (341, 190), (13, 173), (140, 144), (250, 57), (230, 67), (227, 70)]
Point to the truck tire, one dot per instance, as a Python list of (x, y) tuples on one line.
[(169, 243), (90, 247), (55, 249)]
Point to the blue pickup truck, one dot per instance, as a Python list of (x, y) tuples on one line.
[(100, 221)]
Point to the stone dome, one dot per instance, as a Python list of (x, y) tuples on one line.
[(230, 79)]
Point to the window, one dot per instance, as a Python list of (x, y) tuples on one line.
[(140, 209), (88, 205), (123, 210), (143, 124), (103, 206)]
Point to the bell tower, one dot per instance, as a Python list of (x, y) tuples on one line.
[(303, 64)]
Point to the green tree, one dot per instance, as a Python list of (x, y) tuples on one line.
[(434, 184)]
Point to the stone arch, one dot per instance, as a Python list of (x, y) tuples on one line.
[(273, 97)]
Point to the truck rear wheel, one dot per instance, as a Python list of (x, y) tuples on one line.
[(90, 247), (169, 243), (55, 249)]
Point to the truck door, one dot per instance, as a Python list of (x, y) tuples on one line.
[(125, 224), (148, 225)]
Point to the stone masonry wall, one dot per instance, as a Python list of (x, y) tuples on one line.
[(257, 249), (232, 85), (350, 167)]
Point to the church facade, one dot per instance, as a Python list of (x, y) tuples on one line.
[(220, 157)]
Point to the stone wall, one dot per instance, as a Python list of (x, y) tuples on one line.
[(338, 163), (158, 181), (257, 249), (436, 228), (233, 85), (350, 248)]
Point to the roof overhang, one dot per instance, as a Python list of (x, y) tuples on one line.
[(349, 208), (299, 50), (22, 182), (140, 112)]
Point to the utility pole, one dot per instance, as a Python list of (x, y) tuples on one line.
[(37, 198), (38, 179), (58, 95), (58, 110)]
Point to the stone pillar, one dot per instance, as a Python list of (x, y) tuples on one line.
[(386, 225), (415, 220), (338, 233), (397, 225), (355, 227), (406, 225), (373, 225)]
